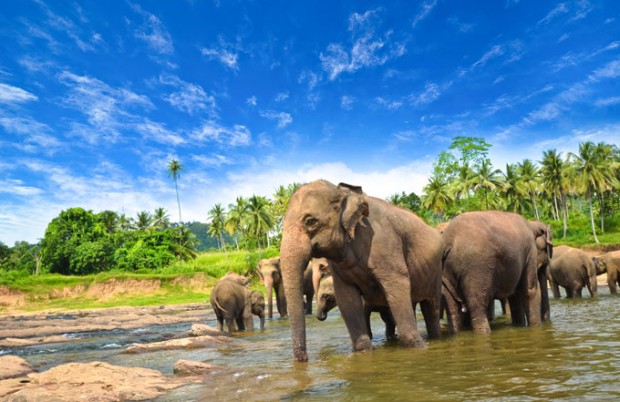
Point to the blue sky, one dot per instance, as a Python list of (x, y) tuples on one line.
[(96, 97)]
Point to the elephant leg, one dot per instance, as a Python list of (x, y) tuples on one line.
[(477, 300), (612, 279), (367, 311), (577, 292), (220, 323), (230, 324), (352, 310), (390, 327), (569, 293), (399, 301), (556, 289), (430, 311), (453, 314), (517, 310), (491, 310)]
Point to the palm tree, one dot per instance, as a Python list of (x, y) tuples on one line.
[(124, 223), (592, 174), (186, 249), (236, 219), (529, 179), (143, 220), (460, 186), (259, 219), (437, 197), (161, 219), (486, 178), (510, 188), (554, 174), (217, 218), (174, 170)]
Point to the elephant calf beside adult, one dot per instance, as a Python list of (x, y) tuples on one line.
[(609, 263), (572, 269), (234, 303), (384, 253), (495, 255)]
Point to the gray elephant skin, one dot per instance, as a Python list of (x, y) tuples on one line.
[(377, 250), (269, 273), (572, 269), (236, 305), (495, 255), (609, 263), (326, 301)]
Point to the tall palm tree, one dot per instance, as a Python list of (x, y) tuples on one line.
[(461, 185), (217, 218), (186, 248), (437, 197), (124, 223), (529, 179), (236, 219), (260, 220), (606, 155), (591, 174), (174, 170), (510, 188), (554, 173), (143, 220), (485, 178)]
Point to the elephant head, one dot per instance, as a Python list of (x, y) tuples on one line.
[(326, 298), (320, 270), (256, 305), (269, 273), (600, 265), (320, 220)]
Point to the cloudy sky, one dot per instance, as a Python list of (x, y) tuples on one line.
[(96, 97)]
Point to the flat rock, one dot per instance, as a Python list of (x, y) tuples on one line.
[(13, 367), (12, 342), (202, 329), (182, 343), (190, 367), (95, 381)]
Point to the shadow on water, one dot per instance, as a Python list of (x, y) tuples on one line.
[(574, 357)]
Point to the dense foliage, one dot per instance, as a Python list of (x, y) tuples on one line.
[(578, 194)]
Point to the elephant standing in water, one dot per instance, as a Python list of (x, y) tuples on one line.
[(326, 301), (384, 253), (269, 273), (572, 269), (235, 304), (609, 263), (494, 255)]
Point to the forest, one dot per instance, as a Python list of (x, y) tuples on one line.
[(578, 194)]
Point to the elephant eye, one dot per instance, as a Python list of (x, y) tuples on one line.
[(310, 221)]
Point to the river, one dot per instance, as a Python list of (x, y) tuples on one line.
[(575, 357)]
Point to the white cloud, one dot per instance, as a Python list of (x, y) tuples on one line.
[(252, 101), (189, 97), (224, 56), (281, 97), (558, 10), (283, 118), (388, 104), (153, 32), (238, 135), (16, 187), (11, 94), (495, 51), (430, 93), (346, 102), (214, 161), (158, 133), (614, 100), (425, 10)]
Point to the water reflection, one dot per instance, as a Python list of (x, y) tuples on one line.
[(574, 357)]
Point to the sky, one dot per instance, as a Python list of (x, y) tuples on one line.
[(97, 97)]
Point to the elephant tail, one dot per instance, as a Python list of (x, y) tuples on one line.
[(219, 306), (448, 286)]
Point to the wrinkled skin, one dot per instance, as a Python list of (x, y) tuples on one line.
[(375, 249), (326, 301), (572, 269), (495, 255), (609, 263), (235, 304), (269, 273)]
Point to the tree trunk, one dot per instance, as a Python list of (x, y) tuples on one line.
[(564, 213), (592, 216)]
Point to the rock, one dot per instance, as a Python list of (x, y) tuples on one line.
[(95, 381), (189, 367), (13, 342), (13, 367), (182, 343), (202, 329)]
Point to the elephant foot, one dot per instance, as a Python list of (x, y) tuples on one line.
[(415, 341), (362, 343)]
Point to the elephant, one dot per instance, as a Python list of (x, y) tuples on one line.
[(375, 249), (495, 255), (235, 303), (269, 273), (572, 269), (326, 301), (610, 263)]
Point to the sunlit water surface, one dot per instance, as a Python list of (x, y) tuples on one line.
[(575, 357)]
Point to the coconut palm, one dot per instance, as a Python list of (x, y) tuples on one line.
[(437, 197), (530, 180), (555, 179), (174, 170), (236, 219), (161, 220), (485, 178), (186, 247), (143, 220), (259, 219), (216, 219)]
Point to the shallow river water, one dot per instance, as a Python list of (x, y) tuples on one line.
[(575, 357)]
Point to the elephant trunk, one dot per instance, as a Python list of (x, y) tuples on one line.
[(294, 257), (321, 314), (269, 290)]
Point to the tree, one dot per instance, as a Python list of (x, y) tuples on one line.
[(236, 219), (161, 220), (259, 219), (144, 220), (530, 181), (217, 219), (174, 170), (408, 201), (437, 197), (486, 178), (554, 173)]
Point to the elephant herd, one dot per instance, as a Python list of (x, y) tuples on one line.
[(364, 254)]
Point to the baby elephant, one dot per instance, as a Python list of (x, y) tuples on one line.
[(609, 263), (236, 304), (326, 300), (572, 269)]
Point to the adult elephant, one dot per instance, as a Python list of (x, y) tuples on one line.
[(572, 269), (609, 263), (495, 255), (377, 250), (269, 273)]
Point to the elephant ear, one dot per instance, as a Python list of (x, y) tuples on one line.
[(354, 208)]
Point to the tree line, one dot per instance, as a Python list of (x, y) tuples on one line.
[(558, 188)]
